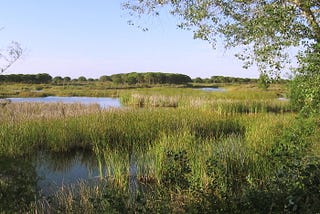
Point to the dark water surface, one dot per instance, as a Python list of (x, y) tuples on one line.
[(26, 178), (55, 170), (21, 179)]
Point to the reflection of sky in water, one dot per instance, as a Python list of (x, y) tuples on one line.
[(104, 102), (283, 99), (64, 169), (213, 89), (56, 170)]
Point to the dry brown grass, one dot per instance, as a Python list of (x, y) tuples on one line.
[(17, 112)]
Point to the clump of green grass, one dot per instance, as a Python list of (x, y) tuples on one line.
[(221, 105), (137, 100)]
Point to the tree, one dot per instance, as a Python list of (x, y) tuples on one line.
[(66, 79), (57, 80), (198, 80), (265, 29), (82, 79), (264, 81), (132, 78), (105, 78), (117, 78), (305, 88), (43, 78)]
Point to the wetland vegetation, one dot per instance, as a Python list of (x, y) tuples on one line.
[(252, 147), (169, 149)]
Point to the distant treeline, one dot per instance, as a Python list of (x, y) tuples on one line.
[(26, 78), (147, 78), (223, 79), (124, 78)]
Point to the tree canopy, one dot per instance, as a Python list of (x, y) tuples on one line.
[(150, 78), (266, 28), (26, 78)]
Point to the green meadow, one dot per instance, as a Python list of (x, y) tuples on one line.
[(169, 149)]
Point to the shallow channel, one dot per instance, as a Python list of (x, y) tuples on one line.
[(104, 102)]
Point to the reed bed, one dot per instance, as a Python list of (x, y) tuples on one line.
[(61, 127), (219, 105), (248, 143), (137, 100), (18, 112), (236, 92), (223, 168), (42, 90)]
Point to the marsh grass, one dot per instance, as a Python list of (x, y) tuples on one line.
[(217, 170), (25, 127), (221, 105), (212, 151), (16, 112), (41, 90), (137, 100), (225, 140), (233, 166), (60, 127)]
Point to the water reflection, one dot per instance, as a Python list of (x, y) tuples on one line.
[(104, 102), (24, 180), (63, 169), (213, 89)]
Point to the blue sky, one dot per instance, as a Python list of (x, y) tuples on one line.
[(92, 38)]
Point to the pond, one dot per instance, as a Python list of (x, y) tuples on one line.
[(23, 179), (104, 102), (55, 170), (43, 174), (212, 89)]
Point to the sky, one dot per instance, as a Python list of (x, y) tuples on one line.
[(92, 38)]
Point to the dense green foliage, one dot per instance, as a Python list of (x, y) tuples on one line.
[(223, 79), (17, 185), (26, 78), (150, 78), (305, 88)]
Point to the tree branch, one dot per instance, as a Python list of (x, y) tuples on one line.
[(305, 7), (13, 53)]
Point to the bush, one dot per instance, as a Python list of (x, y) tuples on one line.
[(176, 170), (305, 90)]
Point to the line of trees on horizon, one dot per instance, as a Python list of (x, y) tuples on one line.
[(132, 78), (147, 78)]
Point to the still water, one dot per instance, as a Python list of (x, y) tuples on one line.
[(22, 179), (55, 170), (45, 173), (104, 102), (213, 89)]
